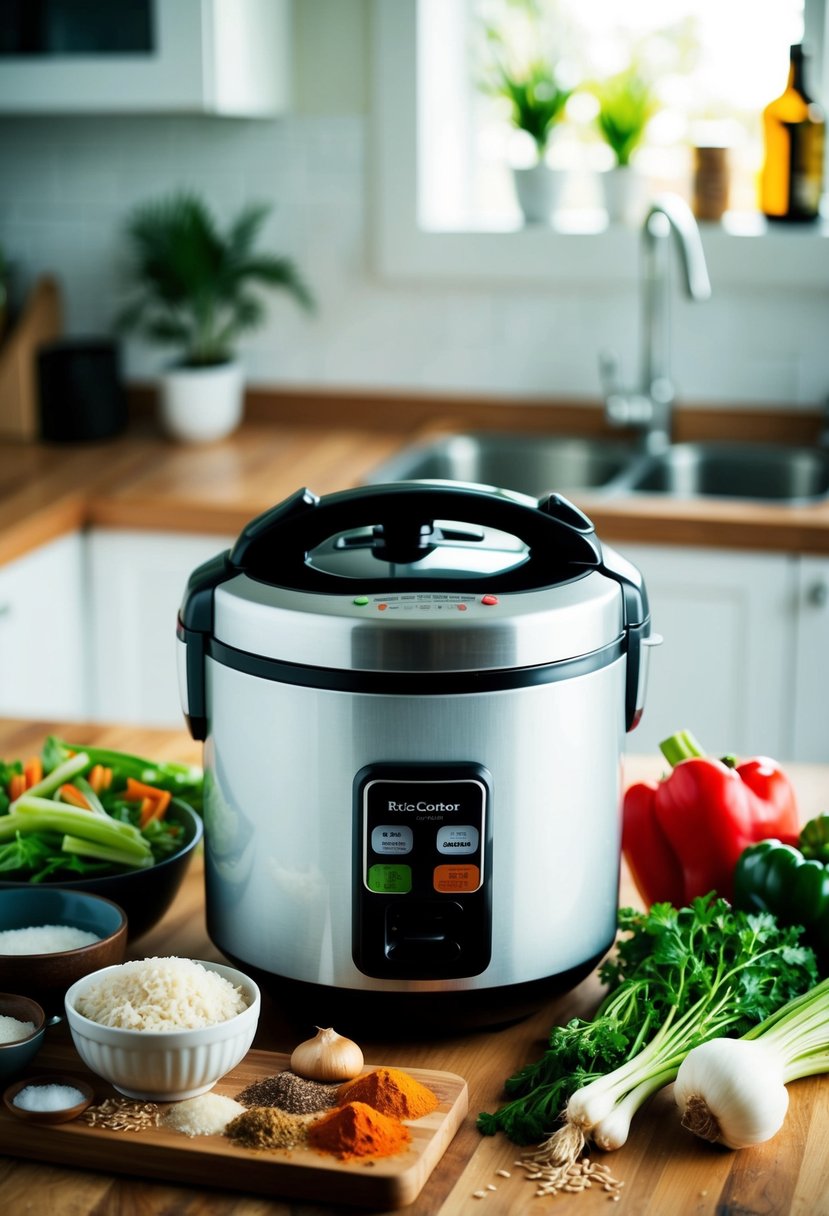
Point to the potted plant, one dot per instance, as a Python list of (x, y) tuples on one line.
[(626, 105), (536, 96), (194, 289)]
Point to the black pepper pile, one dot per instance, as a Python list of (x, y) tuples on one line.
[(290, 1093)]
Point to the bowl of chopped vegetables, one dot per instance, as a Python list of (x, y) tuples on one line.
[(50, 937), (100, 821)]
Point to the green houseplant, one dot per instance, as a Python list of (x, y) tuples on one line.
[(197, 288), (535, 94), (626, 105)]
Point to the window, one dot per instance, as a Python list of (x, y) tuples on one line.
[(444, 190)]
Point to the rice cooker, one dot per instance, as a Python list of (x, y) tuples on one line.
[(413, 699)]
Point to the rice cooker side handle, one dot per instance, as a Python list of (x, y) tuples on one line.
[(194, 628), (637, 621)]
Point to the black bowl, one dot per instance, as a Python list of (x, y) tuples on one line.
[(145, 895)]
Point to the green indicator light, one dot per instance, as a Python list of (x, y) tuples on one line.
[(360, 600), (394, 880)]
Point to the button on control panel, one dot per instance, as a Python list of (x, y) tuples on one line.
[(422, 858)]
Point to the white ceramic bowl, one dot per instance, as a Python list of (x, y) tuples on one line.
[(165, 1065)]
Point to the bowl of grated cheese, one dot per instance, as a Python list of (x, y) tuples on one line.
[(163, 1029)]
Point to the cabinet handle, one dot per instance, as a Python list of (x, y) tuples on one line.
[(818, 594)]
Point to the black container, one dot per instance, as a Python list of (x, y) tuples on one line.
[(80, 390)]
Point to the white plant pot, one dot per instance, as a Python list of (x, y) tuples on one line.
[(622, 188), (538, 190), (200, 404)]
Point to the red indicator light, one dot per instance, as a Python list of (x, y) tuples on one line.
[(382, 607), (489, 599), (461, 607)]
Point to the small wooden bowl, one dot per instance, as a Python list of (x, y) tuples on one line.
[(64, 1114)]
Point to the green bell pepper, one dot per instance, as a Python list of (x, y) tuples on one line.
[(792, 883)]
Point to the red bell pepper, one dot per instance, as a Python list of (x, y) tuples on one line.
[(682, 836)]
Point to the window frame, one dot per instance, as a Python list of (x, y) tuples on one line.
[(745, 253)]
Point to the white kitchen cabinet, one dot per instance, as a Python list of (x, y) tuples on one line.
[(43, 645), (810, 716), (226, 57), (725, 670), (138, 580)]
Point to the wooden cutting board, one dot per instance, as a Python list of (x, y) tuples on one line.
[(298, 1173)]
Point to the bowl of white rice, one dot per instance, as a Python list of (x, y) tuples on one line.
[(50, 937), (163, 1029)]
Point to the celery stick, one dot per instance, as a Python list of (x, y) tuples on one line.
[(56, 778), (43, 815), (85, 848)]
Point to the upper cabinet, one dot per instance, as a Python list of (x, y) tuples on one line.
[(222, 57)]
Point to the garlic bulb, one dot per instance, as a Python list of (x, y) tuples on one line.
[(328, 1057), (731, 1091)]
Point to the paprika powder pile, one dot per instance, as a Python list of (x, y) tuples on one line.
[(392, 1092), (683, 836), (358, 1130)]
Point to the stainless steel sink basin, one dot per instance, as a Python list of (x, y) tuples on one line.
[(754, 471), (531, 464), (605, 468)]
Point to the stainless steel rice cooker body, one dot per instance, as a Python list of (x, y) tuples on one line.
[(414, 699)]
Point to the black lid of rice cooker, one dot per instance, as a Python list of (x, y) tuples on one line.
[(413, 577)]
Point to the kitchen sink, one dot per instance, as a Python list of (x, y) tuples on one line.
[(753, 471), (531, 464), (608, 468)]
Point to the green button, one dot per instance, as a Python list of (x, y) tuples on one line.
[(394, 880), (360, 600)]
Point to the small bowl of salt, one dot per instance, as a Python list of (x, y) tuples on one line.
[(22, 1027), (49, 1099)]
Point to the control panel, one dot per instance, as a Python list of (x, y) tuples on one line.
[(422, 864)]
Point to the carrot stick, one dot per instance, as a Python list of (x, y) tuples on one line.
[(17, 785), (154, 808), (136, 790), (100, 777), (33, 771), (71, 794)]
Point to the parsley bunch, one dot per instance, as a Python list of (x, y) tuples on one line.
[(677, 978)]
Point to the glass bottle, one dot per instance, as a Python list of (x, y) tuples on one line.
[(793, 129)]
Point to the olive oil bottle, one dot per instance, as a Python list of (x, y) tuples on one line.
[(793, 130)]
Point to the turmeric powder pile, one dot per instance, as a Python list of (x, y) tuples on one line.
[(392, 1092), (357, 1130)]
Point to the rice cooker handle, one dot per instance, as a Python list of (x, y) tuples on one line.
[(553, 529)]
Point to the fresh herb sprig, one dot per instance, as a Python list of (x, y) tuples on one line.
[(733, 969)]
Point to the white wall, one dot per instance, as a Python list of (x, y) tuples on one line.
[(67, 184)]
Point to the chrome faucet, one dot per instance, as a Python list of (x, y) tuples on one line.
[(650, 406)]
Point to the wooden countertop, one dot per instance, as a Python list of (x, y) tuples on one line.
[(666, 1171), (143, 481)]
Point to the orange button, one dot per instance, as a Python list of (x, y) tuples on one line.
[(457, 878)]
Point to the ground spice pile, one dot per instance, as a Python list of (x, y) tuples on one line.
[(291, 1093), (391, 1092), (358, 1130), (268, 1127)]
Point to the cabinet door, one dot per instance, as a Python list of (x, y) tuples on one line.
[(811, 706), (43, 668), (724, 669), (215, 56), (138, 581)]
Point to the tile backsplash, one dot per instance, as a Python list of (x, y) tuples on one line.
[(67, 185)]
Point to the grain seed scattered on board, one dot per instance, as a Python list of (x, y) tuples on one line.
[(573, 1178), (122, 1115)]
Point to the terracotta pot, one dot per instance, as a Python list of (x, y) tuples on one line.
[(200, 404)]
